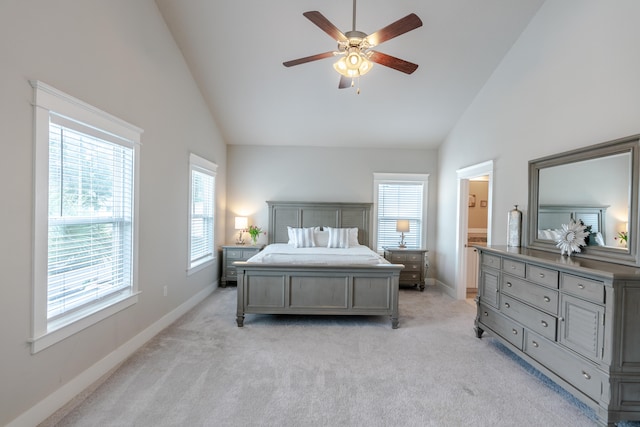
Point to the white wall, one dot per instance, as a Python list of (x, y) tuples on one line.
[(118, 56), (570, 80), (257, 174)]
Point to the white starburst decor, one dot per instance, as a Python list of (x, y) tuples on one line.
[(571, 238)]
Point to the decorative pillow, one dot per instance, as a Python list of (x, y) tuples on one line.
[(291, 232), (302, 237), (338, 237), (321, 237), (353, 237)]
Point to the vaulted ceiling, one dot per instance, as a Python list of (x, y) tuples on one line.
[(235, 50)]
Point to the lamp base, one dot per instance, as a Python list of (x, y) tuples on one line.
[(401, 244), (239, 239)]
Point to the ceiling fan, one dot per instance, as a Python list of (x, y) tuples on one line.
[(354, 47)]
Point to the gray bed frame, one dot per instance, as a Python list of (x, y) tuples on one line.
[(318, 289)]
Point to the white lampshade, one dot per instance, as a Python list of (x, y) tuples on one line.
[(402, 226), (242, 222)]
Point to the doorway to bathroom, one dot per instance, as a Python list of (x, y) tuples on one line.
[(474, 224)]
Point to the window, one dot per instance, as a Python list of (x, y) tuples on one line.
[(201, 212), (400, 196), (85, 226)]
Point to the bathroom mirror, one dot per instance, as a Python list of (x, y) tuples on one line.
[(597, 185)]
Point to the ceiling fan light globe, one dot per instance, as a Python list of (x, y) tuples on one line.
[(341, 67), (365, 66), (354, 60)]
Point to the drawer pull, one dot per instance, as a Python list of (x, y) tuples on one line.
[(509, 284), (506, 304), (513, 267), (545, 324), (586, 376), (561, 319), (541, 275), (547, 299), (535, 344), (515, 332), (486, 313), (580, 285)]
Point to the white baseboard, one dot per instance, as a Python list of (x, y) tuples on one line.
[(446, 289), (56, 400)]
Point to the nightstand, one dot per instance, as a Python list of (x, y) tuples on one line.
[(414, 261), (231, 254)]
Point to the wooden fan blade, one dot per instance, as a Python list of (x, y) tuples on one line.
[(345, 82), (307, 59), (325, 25), (401, 26), (393, 62)]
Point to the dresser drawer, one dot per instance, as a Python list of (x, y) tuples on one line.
[(578, 372), (542, 276), (542, 323), (490, 260), (513, 267), (501, 325), (241, 254), (235, 254), (410, 277), (396, 257), (412, 266), (405, 258), (539, 296), (590, 289)]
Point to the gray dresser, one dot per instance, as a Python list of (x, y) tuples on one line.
[(576, 320), (231, 254)]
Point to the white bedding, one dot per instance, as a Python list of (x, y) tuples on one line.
[(283, 253)]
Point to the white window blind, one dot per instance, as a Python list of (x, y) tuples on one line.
[(201, 212), (90, 234), (399, 200)]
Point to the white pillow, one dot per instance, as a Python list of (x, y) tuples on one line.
[(338, 237), (302, 237), (321, 237), (353, 237), (291, 233)]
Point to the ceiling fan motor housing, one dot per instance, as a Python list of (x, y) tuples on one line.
[(354, 39)]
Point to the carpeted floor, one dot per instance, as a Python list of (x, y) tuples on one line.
[(325, 371)]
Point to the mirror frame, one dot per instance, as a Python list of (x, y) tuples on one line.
[(630, 145)]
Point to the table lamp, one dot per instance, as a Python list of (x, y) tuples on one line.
[(402, 226), (242, 222)]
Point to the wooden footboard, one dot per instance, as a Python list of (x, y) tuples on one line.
[(318, 290)]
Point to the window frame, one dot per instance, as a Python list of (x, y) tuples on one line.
[(204, 166), (48, 100), (399, 178)]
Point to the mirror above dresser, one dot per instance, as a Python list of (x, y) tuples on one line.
[(597, 185)]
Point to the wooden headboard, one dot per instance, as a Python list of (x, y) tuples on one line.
[(553, 216), (323, 214)]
